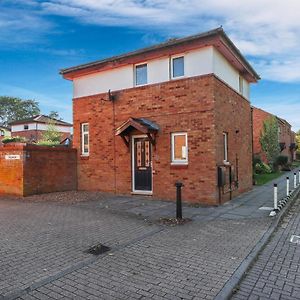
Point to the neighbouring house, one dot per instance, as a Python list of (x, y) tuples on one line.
[(4, 132), (286, 137), (177, 111), (33, 128)]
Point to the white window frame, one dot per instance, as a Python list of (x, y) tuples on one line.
[(82, 139), (134, 73), (179, 161), (26, 127), (171, 66), (225, 147)]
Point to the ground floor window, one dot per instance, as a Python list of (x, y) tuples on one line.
[(179, 146), (85, 147)]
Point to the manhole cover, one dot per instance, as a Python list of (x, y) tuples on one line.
[(97, 249), (295, 239)]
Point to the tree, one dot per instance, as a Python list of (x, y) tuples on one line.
[(13, 109), (51, 136), (54, 115), (269, 139), (298, 141)]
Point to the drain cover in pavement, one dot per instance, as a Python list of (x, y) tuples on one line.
[(295, 239), (97, 249)]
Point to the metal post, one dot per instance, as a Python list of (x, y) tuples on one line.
[(178, 185), (295, 180), (287, 186), (275, 197), (299, 176)]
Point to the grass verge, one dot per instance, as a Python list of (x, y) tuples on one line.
[(262, 179)]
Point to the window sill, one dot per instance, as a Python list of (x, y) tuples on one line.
[(179, 165), (84, 156), (178, 77)]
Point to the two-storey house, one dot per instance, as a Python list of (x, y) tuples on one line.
[(32, 128), (286, 137), (177, 111)]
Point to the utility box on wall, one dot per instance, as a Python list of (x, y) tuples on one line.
[(29, 169)]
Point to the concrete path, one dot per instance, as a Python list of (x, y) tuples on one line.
[(43, 247), (249, 205)]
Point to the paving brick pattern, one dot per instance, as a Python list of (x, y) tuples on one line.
[(185, 262), (43, 243), (276, 273), (39, 240)]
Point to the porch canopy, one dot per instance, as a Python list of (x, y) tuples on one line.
[(142, 125)]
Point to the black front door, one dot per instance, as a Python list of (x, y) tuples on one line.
[(142, 165)]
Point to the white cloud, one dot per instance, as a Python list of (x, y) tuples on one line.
[(17, 27), (268, 31), (265, 29)]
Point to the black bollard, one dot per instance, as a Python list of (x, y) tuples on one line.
[(178, 185)]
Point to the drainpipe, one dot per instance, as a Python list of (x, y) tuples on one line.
[(114, 142), (252, 144)]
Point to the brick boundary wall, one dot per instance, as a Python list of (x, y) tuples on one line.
[(28, 169)]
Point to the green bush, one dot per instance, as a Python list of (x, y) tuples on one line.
[(13, 139), (256, 160), (266, 168), (47, 143), (282, 160), (258, 168), (287, 167), (262, 168)]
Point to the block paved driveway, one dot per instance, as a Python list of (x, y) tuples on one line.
[(43, 243), (276, 273), (44, 239)]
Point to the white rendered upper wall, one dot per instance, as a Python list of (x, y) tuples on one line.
[(197, 62), (39, 126)]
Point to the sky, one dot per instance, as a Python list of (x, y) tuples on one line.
[(38, 38)]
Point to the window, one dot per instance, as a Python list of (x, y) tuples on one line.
[(141, 74), (26, 127), (241, 85), (225, 146), (1, 132), (177, 67), (85, 139), (179, 148)]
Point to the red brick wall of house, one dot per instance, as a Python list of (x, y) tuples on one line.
[(259, 116), (286, 136), (40, 170), (35, 135), (233, 115), (181, 105)]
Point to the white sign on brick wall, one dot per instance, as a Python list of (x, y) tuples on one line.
[(12, 157)]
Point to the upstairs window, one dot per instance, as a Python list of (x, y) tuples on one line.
[(179, 148), (26, 127), (241, 85), (177, 67), (225, 146), (85, 147), (141, 74)]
